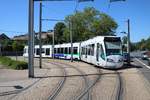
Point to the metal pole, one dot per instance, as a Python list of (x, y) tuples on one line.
[(31, 39), (40, 32), (128, 42), (71, 30), (53, 53)]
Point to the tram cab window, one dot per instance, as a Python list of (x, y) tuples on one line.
[(113, 46), (75, 50), (47, 51)]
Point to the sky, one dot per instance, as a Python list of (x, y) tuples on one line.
[(14, 15)]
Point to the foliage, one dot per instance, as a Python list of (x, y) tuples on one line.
[(10, 45), (6, 45), (58, 31), (8, 62), (86, 24), (48, 40), (144, 44), (17, 46)]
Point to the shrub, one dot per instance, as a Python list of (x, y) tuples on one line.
[(18, 65)]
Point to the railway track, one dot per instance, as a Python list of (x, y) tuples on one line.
[(88, 88), (60, 85), (85, 94), (54, 92), (58, 89), (119, 94), (17, 92)]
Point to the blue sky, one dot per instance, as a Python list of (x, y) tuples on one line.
[(14, 15)]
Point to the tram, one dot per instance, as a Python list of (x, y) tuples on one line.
[(104, 51)]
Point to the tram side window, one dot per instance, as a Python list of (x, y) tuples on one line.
[(66, 50), (58, 50), (61, 50), (55, 50), (89, 49), (82, 51), (86, 50), (69, 50), (97, 52), (25, 50), (92, 49), (75, 50), (43, 50), (37, 51), (47, 51), (102, 52)]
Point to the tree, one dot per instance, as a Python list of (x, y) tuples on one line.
[(48, 40), (144, 44), (148, 43), (59, 32), (17, 46), (90, 23)]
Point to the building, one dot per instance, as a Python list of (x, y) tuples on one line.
[(21, 37), (4, 37), (24, 37)]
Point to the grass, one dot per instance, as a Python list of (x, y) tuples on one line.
[(13, 64)]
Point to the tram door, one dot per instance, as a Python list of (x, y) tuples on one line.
[(97, 52)]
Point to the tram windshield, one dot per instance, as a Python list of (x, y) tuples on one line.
[(113, 46)]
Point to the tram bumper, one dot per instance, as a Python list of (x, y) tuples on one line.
[(114, 65)]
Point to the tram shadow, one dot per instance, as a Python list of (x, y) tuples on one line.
[(129, 66), (125, 66)]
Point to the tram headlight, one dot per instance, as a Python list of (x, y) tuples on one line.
[(120, 60), (110, 60)]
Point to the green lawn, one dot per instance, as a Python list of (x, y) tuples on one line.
[(13, 64)]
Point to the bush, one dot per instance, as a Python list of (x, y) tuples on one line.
[(18, 65)]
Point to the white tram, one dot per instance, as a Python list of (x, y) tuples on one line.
[(46, 51), (104, 51), (64, 51)]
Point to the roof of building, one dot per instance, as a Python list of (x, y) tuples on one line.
[(4, 37)]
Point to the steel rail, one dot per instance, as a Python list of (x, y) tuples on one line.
[(88, 86), (20, 91), (119, 95), (59, 85)]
